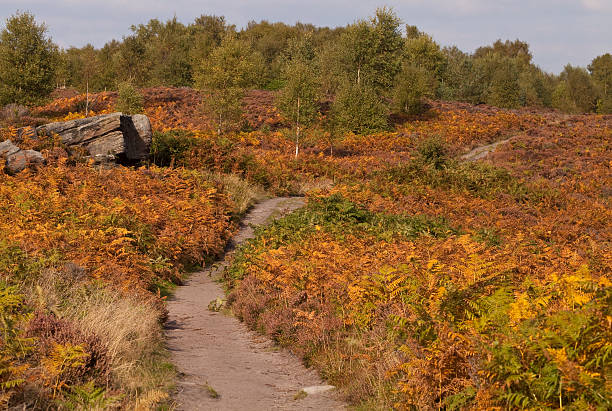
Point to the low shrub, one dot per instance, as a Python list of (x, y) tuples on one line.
[(434, 167), (130, 100), (171, 148)]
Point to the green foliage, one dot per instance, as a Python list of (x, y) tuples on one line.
[(420, 50), (207, 32), (300, 83), (225, 108), (28, 61), (412, 85), (13, 346), (501, 75), (576, 92), (562, 99), (601, 73), (358, 109), (339, 216), (504, 90), (460, 80), (88, 397), (79, 68), (271, 41), (461, 400), (372, 50), (17, 266), (557, 359), (604, 105), (513, 49), (432, 166), (498, 76), (12, 312), (130, 100), (433, 151), (171, 147), (332, 73), (536, 87), (230, 68), (213, 55), (168, 46), (234, 64)]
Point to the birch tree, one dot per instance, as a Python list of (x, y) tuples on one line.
[(299, 98)]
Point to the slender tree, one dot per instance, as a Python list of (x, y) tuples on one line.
[(413, 84), (373, 50), (299, 99), (225, 74)]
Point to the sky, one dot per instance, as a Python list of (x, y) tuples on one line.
[(558, 31)]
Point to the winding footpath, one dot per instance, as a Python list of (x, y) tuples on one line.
[(481, 152), (224, 366)]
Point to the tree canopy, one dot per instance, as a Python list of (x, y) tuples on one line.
[(389, 58), (28, 61)]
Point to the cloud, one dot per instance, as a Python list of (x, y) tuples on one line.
[(559, 31), (597, 5)]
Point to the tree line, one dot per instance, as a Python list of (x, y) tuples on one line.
[(368, 68)]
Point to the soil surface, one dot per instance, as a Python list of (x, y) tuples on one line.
[(223, 365), (482, 151)]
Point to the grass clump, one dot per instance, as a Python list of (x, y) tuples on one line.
[(212, 393), (74, 343), (242, 193)]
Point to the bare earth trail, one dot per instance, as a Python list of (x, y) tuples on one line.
[(215, 351), (481, 152)]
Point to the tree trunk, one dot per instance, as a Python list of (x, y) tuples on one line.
[(297, 130), (87, 98)]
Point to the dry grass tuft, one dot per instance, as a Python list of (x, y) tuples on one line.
[(126, 328), (242, 193)]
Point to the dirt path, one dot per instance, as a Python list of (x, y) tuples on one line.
[(223, 365), (483, 151)]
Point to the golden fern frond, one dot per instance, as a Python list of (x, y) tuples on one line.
[(149, 399)]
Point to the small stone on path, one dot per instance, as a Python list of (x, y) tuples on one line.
[(317, 389)]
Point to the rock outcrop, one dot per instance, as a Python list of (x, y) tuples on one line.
[(107, 138), (112, 136), (16, 159)]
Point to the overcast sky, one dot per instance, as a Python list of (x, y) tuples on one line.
[(558, 31)]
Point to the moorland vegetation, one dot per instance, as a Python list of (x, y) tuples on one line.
[(413, 278)]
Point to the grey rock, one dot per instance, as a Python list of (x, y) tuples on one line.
[(82, 131), (139, 136), (125, 137), (7, 148), (317, 389), (108, 144), (17, 162)]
